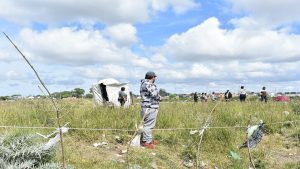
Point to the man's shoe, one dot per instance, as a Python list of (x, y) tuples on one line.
[(149, 145)]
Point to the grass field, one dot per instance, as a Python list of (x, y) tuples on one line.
[(280, 147)]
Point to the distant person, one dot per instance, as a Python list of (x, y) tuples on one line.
[(213, 96), (263, 95), (195, 97), (150, 103), (122, 96), (228, 96), (202, 97), (243, 94), (205, 97)]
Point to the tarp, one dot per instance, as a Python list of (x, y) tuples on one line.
[(282, 99), (106, 92)]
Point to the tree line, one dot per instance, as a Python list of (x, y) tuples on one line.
[(77, 92)]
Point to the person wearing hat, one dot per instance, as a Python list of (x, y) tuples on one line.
[(150, 103)]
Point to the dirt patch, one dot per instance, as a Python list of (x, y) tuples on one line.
[(289, 153), (286, 156)]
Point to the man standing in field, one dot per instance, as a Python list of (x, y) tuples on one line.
[(263, 95), (243, 94), (122, 96), (150, 103)]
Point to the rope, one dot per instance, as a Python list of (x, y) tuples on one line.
[(206, 125), (158, 129)]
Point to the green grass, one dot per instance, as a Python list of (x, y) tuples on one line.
[(273, 152)]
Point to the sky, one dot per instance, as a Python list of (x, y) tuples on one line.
[(192, 45)]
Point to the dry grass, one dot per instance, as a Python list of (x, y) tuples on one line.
[(276, 150)]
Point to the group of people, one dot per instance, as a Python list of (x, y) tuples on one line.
[(214, 97), (150, 100), (228, 96), (203, 97), (263, 94)]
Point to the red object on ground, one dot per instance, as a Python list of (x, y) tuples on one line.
[(282, 99), (155, 142), (149, 145)]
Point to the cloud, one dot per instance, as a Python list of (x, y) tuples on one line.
[(4, 56), (89, 11), (213, 84), (251, 49), (270, 12), (208, 41), (65, 81), (106, 71), (178, 6), (14, 84), (122, 34), (68, 46), (7, 51)]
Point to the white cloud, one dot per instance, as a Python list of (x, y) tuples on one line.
[(4, 55), (207, 41), (207, 55), (68, 46), (12, 73), (159, 58), (7, 51), (212, 84), (199, 70), (179, 6), (106, 71), (105, 11), (274, 13), (122, 34)]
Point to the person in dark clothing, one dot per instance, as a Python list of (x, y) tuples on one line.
[(122, 96), (263, 95), (195, 97), (228, 96)]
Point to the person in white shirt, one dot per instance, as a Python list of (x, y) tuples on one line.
[(243, 94), (263, 95)]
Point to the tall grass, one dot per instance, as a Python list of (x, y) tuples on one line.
[(176, 146)]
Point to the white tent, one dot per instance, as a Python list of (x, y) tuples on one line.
[(106, 92)]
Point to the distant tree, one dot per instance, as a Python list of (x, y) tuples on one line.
[(56, 95), (78, 92), (89, 95), (4, 97), (66, 94), (163, 92), (173, 96)]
